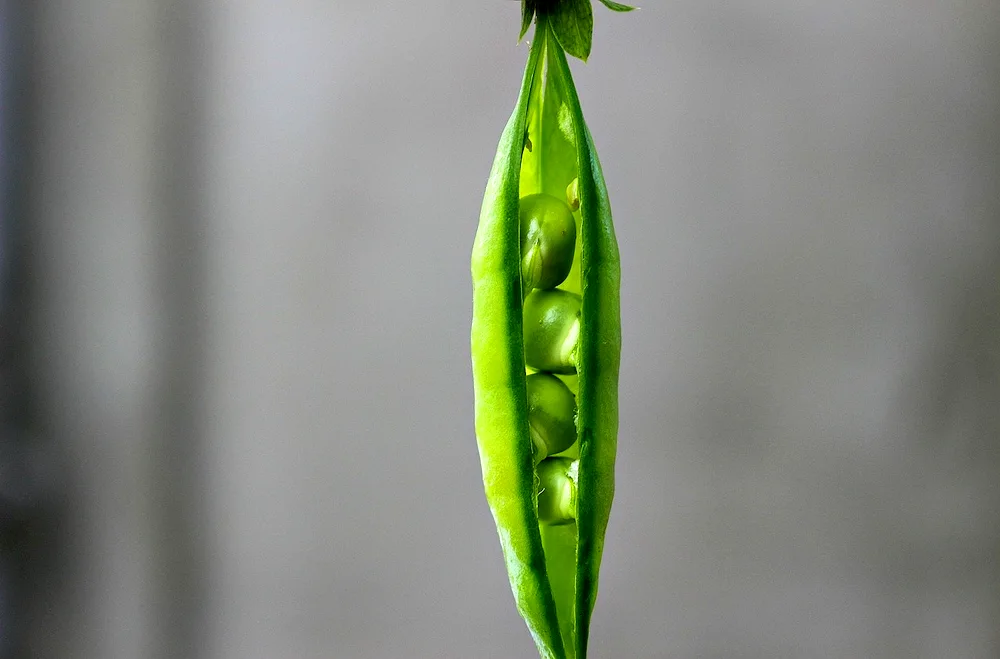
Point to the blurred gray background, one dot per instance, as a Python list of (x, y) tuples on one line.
[(247, 229)]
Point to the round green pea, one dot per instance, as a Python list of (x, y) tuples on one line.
[(551, 330), (557, 490), (548, 241), (551, 415)]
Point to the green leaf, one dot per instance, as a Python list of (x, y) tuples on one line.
[(527, 13), (616, 6), (573, 25)]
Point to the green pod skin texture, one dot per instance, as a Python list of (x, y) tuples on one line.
[(553, 569), (548, 241), (551, 415)]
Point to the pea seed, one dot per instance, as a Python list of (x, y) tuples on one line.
[(548, 241), (557, 490), (551, 415), (551, 330)]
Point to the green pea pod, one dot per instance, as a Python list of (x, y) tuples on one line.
[(547, 148)]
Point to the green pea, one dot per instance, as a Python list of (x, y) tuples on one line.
[(557, 490), (551, 414), (548, 241), (552, 330)]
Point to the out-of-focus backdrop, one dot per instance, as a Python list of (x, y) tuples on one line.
[(237, 391)]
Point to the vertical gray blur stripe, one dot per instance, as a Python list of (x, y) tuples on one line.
[(179, 437), (31, 547), (15, 447)]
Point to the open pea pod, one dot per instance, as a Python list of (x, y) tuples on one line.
[(546, 339)]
